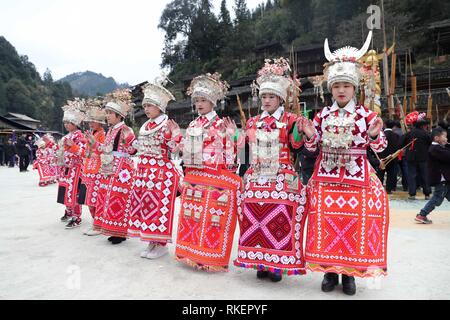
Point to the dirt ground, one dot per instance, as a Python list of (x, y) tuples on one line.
[(39, 259)]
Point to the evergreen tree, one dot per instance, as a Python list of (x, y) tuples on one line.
[(48, 78), (203, 42), (243, 40), (225, 29), (176, 21)]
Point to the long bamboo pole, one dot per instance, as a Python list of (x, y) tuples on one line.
[(389, 96)]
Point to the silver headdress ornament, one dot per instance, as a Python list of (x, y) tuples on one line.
[(95, 112), (343, 63), (40, 143), (274, 78), (210, 87), (156, 94), (75, 111), (120, 102)]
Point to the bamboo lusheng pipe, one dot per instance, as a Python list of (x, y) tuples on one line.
[(362, 96), (242, 113), (405, 105), (393, 72), (384, 162), (430, 97), (287, 105), (437, 114), (402, 115), (414, 91), (430, 107), (390, 98), (393, 66), (296, 104), (413, 84), (405, 101)]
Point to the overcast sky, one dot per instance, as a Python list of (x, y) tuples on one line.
[(117, 38)]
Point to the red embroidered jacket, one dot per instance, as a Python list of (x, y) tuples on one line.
[(286, 138), (74, 155), (218, 150), (355, 172), (92, 162), (155, 139)]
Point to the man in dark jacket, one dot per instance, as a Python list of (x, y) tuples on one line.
[(439, 173), (2, 152), (23, 150), (391, 169), (416, 157), (10, 153)]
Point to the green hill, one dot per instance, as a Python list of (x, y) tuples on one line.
[(23, 90), (91, 84)]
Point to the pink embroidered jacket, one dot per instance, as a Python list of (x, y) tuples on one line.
[(355, 168)]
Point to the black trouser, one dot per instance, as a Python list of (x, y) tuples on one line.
[(10, 160), (391, 179), (24, 162), (403, 165), (418, 169)]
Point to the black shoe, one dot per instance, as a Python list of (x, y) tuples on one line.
[(275, 277), (348, 285), (262, 274), (74, 223), (329, 282), (117, 240), (65, 218), (110, 238)]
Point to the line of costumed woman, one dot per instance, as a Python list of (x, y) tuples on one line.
[(348, 215), (272, 213), (344, 203)]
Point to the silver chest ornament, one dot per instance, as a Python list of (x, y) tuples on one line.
[(107, 159), (60, 153), (150, 144), (265, 153), (193, 147), (337, 139)]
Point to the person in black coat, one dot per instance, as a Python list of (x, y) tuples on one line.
[(10, 153), (23, 150), (402, 165), (2, 153), (391, 169), (416, 157), (305, 163), (439, 173)]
